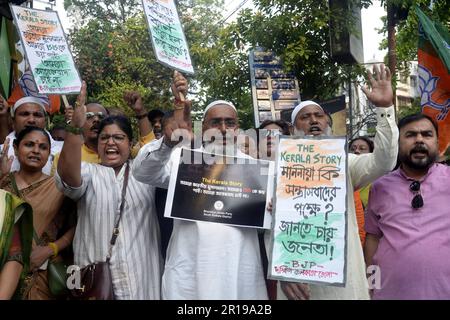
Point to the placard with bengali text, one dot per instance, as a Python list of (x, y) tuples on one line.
[(169, 43), (310, 211), (47, 50)]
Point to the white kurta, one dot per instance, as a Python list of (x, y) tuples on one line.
[(204, 260), (362, 170)]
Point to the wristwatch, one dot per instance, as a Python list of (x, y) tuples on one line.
[(74, 130)]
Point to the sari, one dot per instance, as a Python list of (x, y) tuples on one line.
[(53, 214), (16, 228)]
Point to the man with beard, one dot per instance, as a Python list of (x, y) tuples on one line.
[(408, 219), (205, 260), (309, 119)]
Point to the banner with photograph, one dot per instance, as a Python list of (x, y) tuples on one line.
[(47, 50), (310, 213), (229, 190)]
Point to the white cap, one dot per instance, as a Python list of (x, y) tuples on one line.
[(216, 103), (24, 100), (300, 106)]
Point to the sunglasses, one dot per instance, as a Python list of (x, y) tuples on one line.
[(90, 115), (417, 201)]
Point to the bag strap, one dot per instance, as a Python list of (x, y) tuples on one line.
[(115, 233)]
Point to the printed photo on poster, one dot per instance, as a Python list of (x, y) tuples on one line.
[(231, 192)]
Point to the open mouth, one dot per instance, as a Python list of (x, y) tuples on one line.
[(111, 151), (94, 128), (34, 159), (314, 130), (419, 152)]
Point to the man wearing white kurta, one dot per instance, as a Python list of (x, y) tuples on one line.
[(205, 260), (310, 119)]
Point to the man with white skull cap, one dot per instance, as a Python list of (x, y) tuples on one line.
[(206, 260), (309, 119)]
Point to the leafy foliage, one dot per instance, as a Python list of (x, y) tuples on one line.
[(407, 30), (113, 50)]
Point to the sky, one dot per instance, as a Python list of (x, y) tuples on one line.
[(370, 22)]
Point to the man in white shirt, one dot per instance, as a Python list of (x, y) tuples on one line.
[(310, 119), (205, 260), (30, 111)]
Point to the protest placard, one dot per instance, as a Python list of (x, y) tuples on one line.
[(168, 40), (47, 51), (232, 190), (310, 213)]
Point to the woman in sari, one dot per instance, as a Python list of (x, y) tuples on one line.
[(134, 261), (51, 210)]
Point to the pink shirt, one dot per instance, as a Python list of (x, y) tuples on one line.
[(414, 249)]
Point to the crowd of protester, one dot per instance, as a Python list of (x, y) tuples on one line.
[(64, 191)]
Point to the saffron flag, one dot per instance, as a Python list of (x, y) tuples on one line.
[(434, 75)]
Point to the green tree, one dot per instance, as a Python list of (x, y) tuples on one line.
[(407, 30), (298, 31), (113, 51), (108, 11)]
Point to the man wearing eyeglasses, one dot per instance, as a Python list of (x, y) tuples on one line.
[(408, 219), (309, 119), (30, 111), (95, 113), (205, 260)]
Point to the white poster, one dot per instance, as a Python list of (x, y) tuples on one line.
[(309, 236), (47, 50), (169, 42)]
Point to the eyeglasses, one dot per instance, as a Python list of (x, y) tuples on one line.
[(417, 201), (90, 115), (216, 122), (117, 138)]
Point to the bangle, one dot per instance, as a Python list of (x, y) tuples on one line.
[(54, 248), (141, 116), (72, 129)]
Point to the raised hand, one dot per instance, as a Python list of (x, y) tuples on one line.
[(179, 126), (79, 112), (179, 86), (5, 161), (381, 94), (134, 101)]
